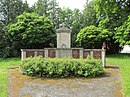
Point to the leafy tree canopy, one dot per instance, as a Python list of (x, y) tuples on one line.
[(123, 33), (31, 31), (92, 35)]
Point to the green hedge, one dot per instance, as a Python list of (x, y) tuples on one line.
[(61, 67)]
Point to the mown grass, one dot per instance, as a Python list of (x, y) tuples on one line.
[(4, 65), (123, 61)]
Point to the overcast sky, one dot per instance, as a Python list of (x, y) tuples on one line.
[(67, 3)]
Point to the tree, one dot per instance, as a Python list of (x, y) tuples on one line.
[(112, 13), (122, 35), (48, 8), (76, 25), (31, 31), (89, 15), (82, 19), (41, 7), (115, 11), (4, 45), (54, 13), (26, 8), (9, 9), (92, 37)]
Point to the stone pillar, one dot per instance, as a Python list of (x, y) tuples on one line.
[(35, 53), (57, 53), (104, 58), (23, 54), (46, 53), (63, 37), (91, 53), (81, 53), (71, 53)]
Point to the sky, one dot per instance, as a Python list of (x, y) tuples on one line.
[(67, 3)]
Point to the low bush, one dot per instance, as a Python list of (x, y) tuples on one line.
[(61, 67)]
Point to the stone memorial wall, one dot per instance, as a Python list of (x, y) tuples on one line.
[(66, 52), (64, 49)]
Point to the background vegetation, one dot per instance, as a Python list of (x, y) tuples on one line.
[(29, 31), (109, 15)]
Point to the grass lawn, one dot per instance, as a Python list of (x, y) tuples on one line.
[(4, 65), (123, 61)]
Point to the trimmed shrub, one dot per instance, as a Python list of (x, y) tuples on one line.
[(61, 67)]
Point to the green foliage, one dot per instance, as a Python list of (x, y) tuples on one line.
[(43, 67), (76, 25), (31, 31), (116, 11), (123, 33), (9, 9), (5, 50), (92, 35), (48, 8), (89, 15), (41, 7), (106, 14), (113, 13), (65, 16)]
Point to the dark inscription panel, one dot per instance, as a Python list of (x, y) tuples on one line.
[(75, 53), (30, 54), (51, 53), (97, 54), (40, 53), (85, 54)]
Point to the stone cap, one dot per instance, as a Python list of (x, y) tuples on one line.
[(62, 48), (32, 49), (63, 29), (94, 49)]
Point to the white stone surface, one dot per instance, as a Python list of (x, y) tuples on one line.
[(65, 53), (126, 49), (63, 37), (23, 54), (46, 53), (103, 58)]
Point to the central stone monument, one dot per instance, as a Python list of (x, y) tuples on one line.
[(63, 37), (63, 42)]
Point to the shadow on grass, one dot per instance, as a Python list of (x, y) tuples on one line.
[(108, 71), (112, 67)]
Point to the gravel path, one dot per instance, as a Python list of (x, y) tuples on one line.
[(23, 86)]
